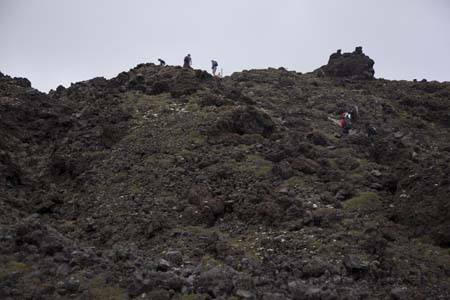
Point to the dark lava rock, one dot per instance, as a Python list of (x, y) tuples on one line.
[(155, 280), (315, 268), (216, 281), (318, 138), (168, 183), (163, 265), (355, 65), (175, 257), (244, 294), (160, 87), (157, 295), (355, 265), (400, 293), (245, 120), (302, 291), (11, 172), (70, 285)]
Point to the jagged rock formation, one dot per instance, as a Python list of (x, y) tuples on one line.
[(165, 183), (355, 65)]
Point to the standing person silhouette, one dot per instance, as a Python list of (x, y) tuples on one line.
[(214, 66), (187, 61)]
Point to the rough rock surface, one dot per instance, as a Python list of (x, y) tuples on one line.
[(355, 65), (165, 183)]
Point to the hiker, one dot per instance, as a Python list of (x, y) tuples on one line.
[(354, 113), (214, 66), (162, 63), (187, 61), (371, 131), (346, 122)]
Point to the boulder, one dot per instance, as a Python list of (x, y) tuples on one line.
[(355, 265), (244, 120), (400, 293), (315, 268), (216, 281), (175, 257)]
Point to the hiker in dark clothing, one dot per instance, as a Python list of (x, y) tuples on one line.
[(187, 61), (354, 113), (214, 66), (161, 62), (371, 131)]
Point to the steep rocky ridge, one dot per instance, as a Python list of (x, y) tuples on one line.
[(166, 183)]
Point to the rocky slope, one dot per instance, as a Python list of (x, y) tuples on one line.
[(166, 183)]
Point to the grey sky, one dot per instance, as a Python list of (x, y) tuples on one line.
[(54, 42)]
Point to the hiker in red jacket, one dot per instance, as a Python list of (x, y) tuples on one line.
[(343, 120)]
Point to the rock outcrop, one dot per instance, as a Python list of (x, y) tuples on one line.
[(355, 65)]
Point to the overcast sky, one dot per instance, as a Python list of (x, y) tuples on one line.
[(54, 42)]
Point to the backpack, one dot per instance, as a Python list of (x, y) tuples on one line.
[(371, 131), (214, 63), (348, 121)]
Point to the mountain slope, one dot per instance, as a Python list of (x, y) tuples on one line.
[(166, 183)]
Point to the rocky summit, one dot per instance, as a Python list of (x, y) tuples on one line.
[(167, 183), (354, 65)]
